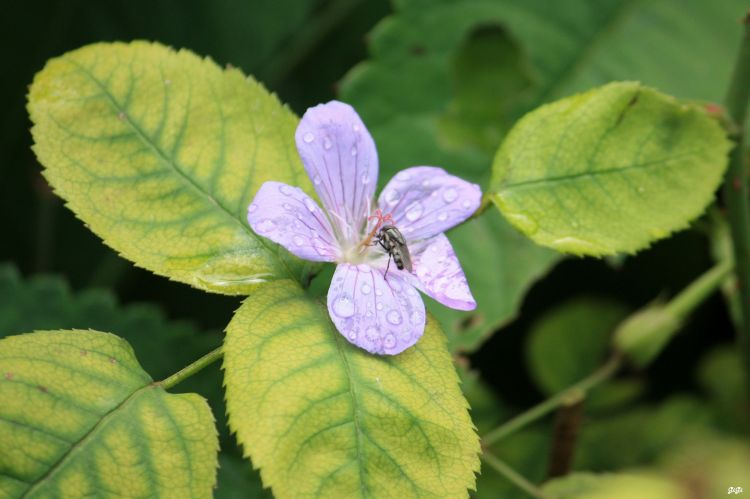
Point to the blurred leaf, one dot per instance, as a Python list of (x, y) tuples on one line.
[(45, 302), (614, 394), (610, 170), (570, 341), (646, 332), (641, 485), (237, 480), (80, 417), (722, 375), (516, 265), (160, 153), (319, 416), (638, 436)]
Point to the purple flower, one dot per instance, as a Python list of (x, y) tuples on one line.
[(384, 314)]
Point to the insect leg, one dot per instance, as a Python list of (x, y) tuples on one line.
[(388, 265)]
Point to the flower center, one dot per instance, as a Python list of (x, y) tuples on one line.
[(362, 251)]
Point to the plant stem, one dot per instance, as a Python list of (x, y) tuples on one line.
[(564, 435), (191, 369), (579, 389), (736, 192), (512, 475), (700, 289)]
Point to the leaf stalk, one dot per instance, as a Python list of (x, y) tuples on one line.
[(191, 369)]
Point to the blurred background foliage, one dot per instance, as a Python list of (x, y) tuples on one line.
[(437, 82)]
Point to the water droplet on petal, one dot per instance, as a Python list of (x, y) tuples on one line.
[(443, 216), (466, 204), (308, 137), (450, 195), (352, 335), (365, 178), (266, 226), (416, 318), (327, 143), (343, 306), (379, 306), (354, 150), (426, 183), (285, 189), (404, 175), (365, 289), (355, 127), (287, 206), (379, 293), (310, 204), (316, 180), (252, 208), (389, 341), (414, 211), (298, 240), (320, 246), (394, 317), (392, 196), (371, 333)]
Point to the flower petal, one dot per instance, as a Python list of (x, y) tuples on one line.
[(425, 201), (289, 217), (438, 273), (339, 156), (382, 316)]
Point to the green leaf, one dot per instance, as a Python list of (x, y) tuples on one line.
[(45, 302), (160, 153), (323, 418), (722, 376), (491, 242), (570, 341), (610, 170), (80, 417), (642, 485)]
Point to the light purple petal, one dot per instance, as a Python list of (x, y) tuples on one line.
[(339, 156), (286, 215), (425, 201), (438, 273), (383, 317)]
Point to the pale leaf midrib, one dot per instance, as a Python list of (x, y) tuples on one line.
[(85, 439), (165, 159)]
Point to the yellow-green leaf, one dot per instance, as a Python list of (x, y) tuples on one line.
[(160, 153), (610, 170), (79, 417), (322, 418)]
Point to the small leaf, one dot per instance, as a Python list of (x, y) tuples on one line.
[(160, 153), (323, 418), (610, 170), (80, 417), (570, 341)]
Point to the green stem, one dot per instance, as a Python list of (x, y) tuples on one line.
[(191, 369), (736, 191), (577, 390), (513, 476), (700, 289)]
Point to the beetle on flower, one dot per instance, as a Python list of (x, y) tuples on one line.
[(382, 314)]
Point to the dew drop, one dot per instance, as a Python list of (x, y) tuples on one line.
[(404, 175), (252, 208), (414, 211), (320, 246), (365, 178), (443, 216), (310, 204), (379, 306), (266, 226), (355, 127), (392, 196), (365, 289), (426, 183), (287, 206), (354, 150), (327, 144), (450, 195), (343, 306), (316, 180), (416, 318), (308, 137), (353, 335), (389, 341), (371, 333), (285, 189), (298, 240), (394, 317), (379, 292), (466, 204)]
